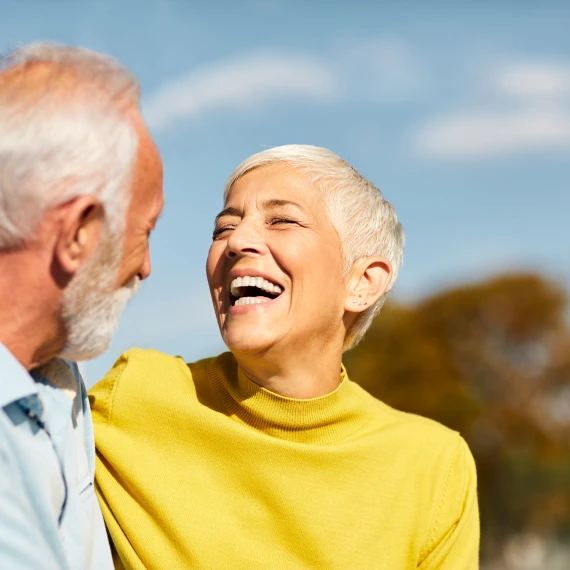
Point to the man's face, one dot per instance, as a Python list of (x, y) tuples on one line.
[(98, 293), (147, 201)]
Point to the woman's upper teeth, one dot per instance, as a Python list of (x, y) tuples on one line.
[(258, 282)]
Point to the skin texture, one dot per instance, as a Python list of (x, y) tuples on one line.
[(275, 225), (40, 271), (144, 209)]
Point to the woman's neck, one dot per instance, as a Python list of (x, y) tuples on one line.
[(299, 376)]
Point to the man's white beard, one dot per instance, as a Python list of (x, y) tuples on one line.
[(91, 306)]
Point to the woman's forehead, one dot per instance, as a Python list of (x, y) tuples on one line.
[(274, 185)]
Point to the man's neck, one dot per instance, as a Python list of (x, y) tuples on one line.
[(28, 349), (28, 327)]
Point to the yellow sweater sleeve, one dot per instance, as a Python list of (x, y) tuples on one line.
[(454, 530)]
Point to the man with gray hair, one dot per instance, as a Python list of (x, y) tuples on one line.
[(80, 193)]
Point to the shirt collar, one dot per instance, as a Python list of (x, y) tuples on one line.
[(15, 382)]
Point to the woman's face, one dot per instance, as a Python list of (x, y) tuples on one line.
[(275, 266)]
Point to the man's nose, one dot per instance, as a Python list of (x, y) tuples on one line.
[(146, 266)]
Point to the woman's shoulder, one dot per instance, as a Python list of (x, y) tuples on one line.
[(422, 448), (416, 431), (142, 376)]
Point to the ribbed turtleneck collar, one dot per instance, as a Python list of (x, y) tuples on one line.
[(325, 419)]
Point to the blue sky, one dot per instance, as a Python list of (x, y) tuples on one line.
[(459, 111)]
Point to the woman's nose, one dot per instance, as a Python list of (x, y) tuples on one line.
[(246, 238)]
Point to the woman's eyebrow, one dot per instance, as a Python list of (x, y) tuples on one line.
[(228, 212), (275, 203)]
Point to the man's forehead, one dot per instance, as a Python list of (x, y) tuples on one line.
[(149, 161)]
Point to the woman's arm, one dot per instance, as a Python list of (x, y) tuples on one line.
[(453, 542)]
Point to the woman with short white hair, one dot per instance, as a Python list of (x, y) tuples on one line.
[(268, 456)]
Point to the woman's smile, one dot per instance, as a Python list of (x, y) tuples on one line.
[(250, 292), (251, 288)]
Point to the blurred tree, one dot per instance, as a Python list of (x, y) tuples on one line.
[(492, 361)]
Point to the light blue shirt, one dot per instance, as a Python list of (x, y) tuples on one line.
[(49, 515)]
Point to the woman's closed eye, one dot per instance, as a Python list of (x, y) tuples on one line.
[(219, 231), (283, 221)]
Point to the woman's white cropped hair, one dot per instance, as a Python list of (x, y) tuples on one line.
[(63, 133), (366, 223)]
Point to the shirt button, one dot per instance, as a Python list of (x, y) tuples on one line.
[(62, 534)]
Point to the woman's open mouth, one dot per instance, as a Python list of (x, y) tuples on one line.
[(252, 290)]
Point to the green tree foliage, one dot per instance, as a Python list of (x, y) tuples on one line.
[(492, 361)]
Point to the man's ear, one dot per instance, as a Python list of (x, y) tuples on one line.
[(80, 228), (368, 280)]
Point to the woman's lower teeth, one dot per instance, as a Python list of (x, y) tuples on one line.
[(251, 301)]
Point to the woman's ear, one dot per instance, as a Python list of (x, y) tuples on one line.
[(80, 227), (368, 280)]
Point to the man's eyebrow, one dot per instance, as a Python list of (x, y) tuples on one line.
[(228, 212)]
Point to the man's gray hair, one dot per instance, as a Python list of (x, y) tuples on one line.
[(365, 222), (64, 133)]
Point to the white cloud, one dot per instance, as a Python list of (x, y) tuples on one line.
[(538, 122), (534, 79), (380, 70), (244, 82), (478, 135)]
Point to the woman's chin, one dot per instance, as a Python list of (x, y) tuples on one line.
[(251, 341)]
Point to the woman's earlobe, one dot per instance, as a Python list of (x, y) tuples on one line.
[(370, 280)]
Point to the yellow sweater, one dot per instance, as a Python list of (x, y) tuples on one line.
[(198, 467)]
